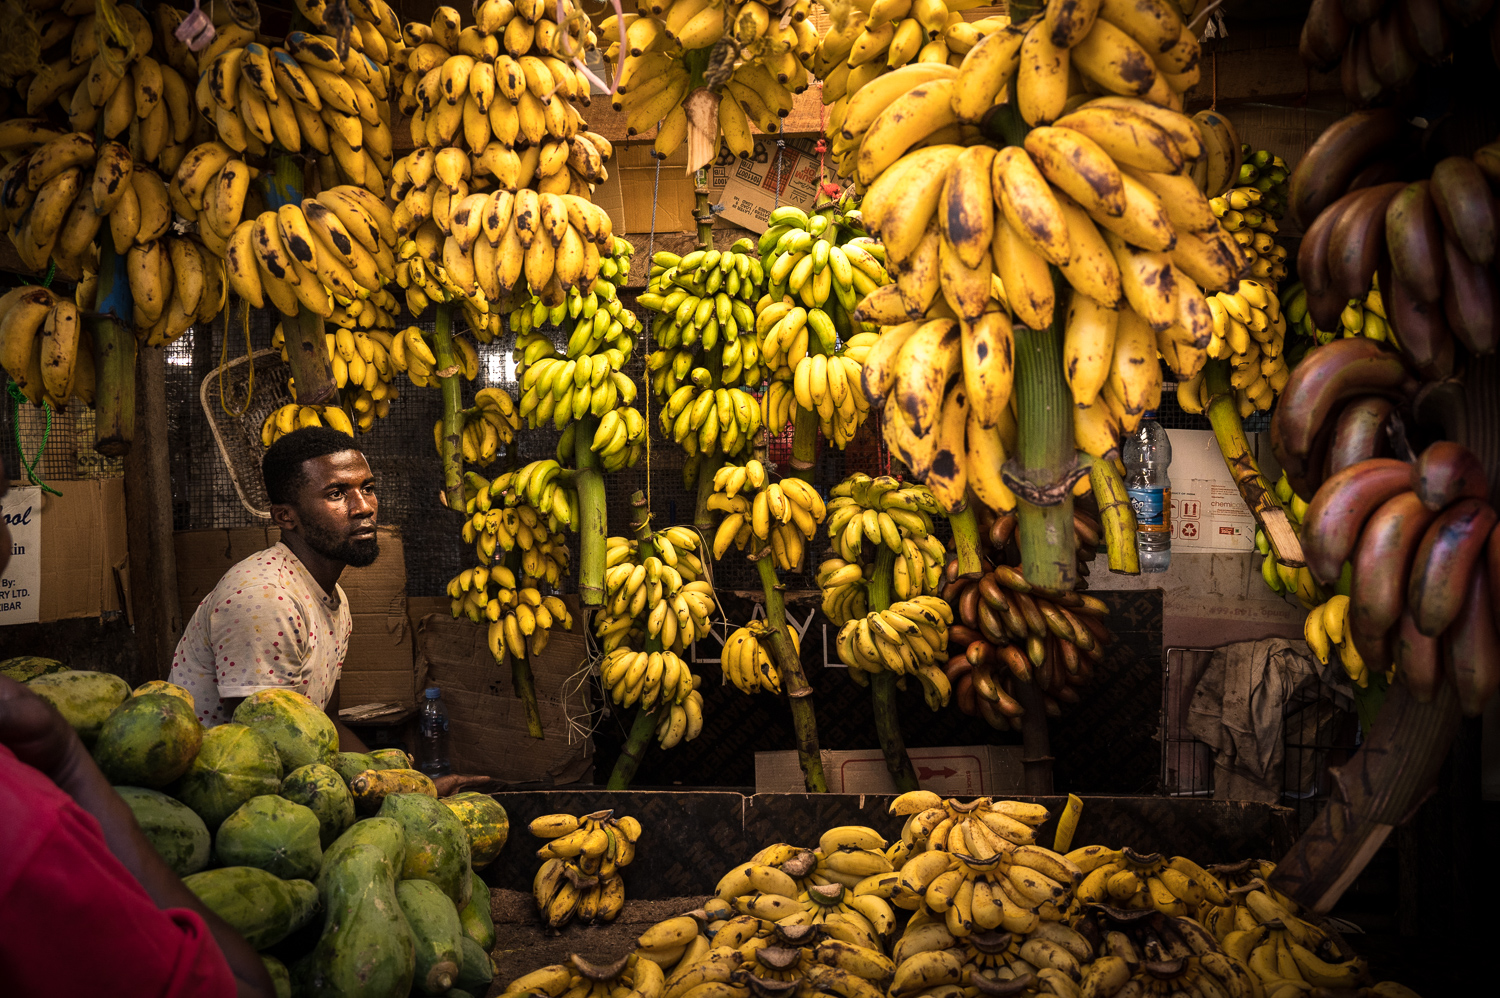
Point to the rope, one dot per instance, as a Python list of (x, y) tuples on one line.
[(780, 152), (224, 364), (16, 398)]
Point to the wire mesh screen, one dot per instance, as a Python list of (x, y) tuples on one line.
[(64, 440), (1187, 765), (1174, 417)]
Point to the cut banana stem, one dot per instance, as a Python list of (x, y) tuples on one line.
[(1046, 452), (114, 357), (448, 373), (883, 686), (306, 348), (1116, 514)]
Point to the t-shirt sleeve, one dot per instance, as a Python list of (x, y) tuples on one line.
[(114, 931), (259, 637)]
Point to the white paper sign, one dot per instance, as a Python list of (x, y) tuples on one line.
[(1207, 511), (21, 578)]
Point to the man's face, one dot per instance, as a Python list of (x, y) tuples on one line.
[(335, 512)]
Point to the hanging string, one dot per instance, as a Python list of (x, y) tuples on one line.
[(16, 398), (224, 365)]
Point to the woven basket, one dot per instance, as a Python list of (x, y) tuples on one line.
[(238, 436)]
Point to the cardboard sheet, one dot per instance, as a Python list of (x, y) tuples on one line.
[(964, 770)]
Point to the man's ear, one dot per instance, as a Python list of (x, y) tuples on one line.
[(284, 516)]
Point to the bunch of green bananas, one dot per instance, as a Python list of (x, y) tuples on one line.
[(1361, 317), (880, 511), (1267, 173), (1248, 217), (702, 305), (589, 332), (619, 440), (561, 391), (745, 661), (284, 419), (784, 515), (631, 975), (709, 419), (909, 639), (540, 485), (1249, 330), (661, 597), (580, 877)]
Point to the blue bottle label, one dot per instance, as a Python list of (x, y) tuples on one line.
[(1153, 509)]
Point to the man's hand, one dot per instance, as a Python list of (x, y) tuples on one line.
[(452, 783), (38, 735)]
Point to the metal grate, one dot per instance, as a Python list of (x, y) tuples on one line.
[(69, 454), (1187, 765)]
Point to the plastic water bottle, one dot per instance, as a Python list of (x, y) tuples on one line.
[(1147, 455), (432, 742)]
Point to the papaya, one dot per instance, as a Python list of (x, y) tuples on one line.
[(477, 970), (475, 917), (390, 758), (280, 979), (437, 847), (234, 764), (301, 732), (170, 689), (148, 741), (85, 699), (261, 906), (173, 828), (272, 834), (24, 667), (318, 787), (436, 933), (372, 786), (485, 821), (366, 950), (351, 764), (457, 993)]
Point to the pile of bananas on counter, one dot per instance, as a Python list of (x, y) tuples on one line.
[(746, 661), (865, 514), (291, 416), (818, 267), (502, 153), (44, 347), (1243, 213), (782, 515), (669, 46), (1007, 631), (580, 878), (632, 974), (1361, 317), (1249, 332)]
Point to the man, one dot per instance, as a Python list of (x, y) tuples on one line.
[(278, 619), (86, 904)]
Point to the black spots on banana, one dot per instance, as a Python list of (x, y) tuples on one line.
[(299, 247)]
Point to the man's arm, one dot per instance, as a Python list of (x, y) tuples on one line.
[(348, 740)]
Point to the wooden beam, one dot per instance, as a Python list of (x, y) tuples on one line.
[(148, 520)]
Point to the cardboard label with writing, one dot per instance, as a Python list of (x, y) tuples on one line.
[(966, 770), (21, 578), (1207, 511), (752, 188)]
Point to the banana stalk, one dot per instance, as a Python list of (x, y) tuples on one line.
[(805, 440), (1229, 432), (641, 729), (448, 372), (114, 357), (593, 514), (521, 681), (1115, 513), (306, 349), (702, 213), (708, 464), (966, 542), (883, 685)]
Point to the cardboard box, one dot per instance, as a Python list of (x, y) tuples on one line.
[(486, 721), (379, 665), (74, 543), (964, 770), (635, 183), (753, 187), (1208, 513)]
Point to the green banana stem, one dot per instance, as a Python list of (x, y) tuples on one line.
[(593, 528), (1046, 452), (702, 213), (639, 739), (1259, 496), (883, 685), (805, 429), (966, 541), (521, 681), (114, 357), (1115, 513), (793, 679), (708, 464), (450, 441)]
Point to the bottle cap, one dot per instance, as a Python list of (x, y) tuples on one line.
[(432, 693)]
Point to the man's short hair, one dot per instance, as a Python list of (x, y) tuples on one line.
[(282, 466)]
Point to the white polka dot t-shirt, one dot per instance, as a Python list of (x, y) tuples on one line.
[(267, 625)]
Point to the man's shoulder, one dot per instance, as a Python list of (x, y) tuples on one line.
[(271, 568)]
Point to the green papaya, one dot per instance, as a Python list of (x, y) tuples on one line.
[(261, 906), (390, 758), (169, 689), (234, 764), (437, 847), (366, 949), (84, 699), (148, 741), (272, 834), (436, 932), (320, 788), (178, 834), (301, 732), (279, 977), (351, 764), (457, 993), (24, 667), (478, 923), (485, 821), (477, 970)]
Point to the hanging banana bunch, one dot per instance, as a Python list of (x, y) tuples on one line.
[(1361, 317), (44, 347), (661, 597), (782, 515), (1250, 333), (287, 418), (1243, 213), (544, 487), (746, 658), (520, 617), (865, 514), (363, 371), (759, 60)]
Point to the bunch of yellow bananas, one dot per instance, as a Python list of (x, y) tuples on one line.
[(362, 370), (745, 661), (1298, 582), (867, 40), (666, 50), (537, 485), (501, 520), (44, 347), (1242, 212), (882, 512), (560, 391), (520, 617), (292, 416), (1326, 629), (1250, 332), (324, 253), (580, 879), (490, 422), (1220, 165), (783, 515), (636, 677), (909, 639), (101, 71), (659, 598), (1361, 317), (634, 974), (619, 440)]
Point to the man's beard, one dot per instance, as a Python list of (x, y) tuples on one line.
[(356, 551)]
